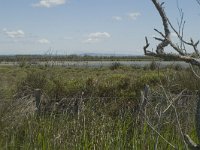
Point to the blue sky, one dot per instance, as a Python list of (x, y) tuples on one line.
[(86, 26)]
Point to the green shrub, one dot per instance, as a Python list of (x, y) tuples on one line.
[(187, 79), (150, 78), (115, 66), (153, 65), (34, 79), (24, 64), (114, 85), (178, 67), (55, 89)]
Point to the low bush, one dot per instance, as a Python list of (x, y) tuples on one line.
[(115, 65), (153, 65)]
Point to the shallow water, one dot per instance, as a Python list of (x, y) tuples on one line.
[(161, 64)]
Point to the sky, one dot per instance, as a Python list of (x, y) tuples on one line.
[(87, 26)]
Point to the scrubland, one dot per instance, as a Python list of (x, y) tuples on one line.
[(96, 108)]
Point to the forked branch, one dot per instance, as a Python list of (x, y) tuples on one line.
[(165, 41)]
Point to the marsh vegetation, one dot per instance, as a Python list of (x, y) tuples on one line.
[(109, 99)]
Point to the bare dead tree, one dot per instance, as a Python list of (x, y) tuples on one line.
[(166, 41), (180, 53)]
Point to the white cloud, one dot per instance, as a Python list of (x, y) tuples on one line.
[(97, 37), (134, 15), (14, 34), (117, 18), (44, 41), (49, 3)]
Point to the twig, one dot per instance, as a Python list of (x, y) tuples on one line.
[(191, 144), (159, 133), (194, 71), (173, 100)]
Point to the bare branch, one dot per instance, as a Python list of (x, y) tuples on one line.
[(151, 126), (182, 55), (191, 144), (180, 51), (198, 1), (174, 99), (171, 56), (160, 33), (146, 46), (194, 45), (194, 72), (163, 16), (166, 36), (165, 42), (159, 39)]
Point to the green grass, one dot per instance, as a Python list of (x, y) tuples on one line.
[(109, 119)]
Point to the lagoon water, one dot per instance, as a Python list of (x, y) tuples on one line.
[(97, 64), (109, 63)]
